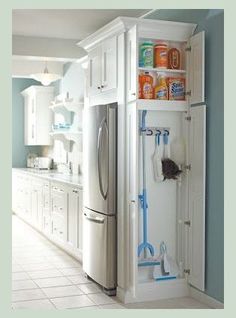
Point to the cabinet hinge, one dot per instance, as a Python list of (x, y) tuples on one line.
[(188, 49), (188, 118), (187, 223), (188, 167), (187, 271)]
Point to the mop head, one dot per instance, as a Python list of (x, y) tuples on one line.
[(170, 169)]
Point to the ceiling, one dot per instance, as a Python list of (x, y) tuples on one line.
[(65, 24)]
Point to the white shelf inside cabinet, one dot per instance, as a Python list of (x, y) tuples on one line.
[(162, 105), (161, 70)]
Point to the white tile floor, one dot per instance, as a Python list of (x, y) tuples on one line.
[(44, 277)]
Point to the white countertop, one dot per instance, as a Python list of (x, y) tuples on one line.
[(53, 175)]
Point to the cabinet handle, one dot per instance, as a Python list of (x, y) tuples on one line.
[(60, 208), (75, 191), (99, 87), (102, 86), (32, 131), (133, 94), (60, 232)]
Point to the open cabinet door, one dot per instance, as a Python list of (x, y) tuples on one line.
[(197, 196), (197, 68)]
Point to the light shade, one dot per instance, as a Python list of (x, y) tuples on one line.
[(46, 78)]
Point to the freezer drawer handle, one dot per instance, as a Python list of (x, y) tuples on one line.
[(94, 219)]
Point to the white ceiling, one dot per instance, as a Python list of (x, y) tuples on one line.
[(65, 24)]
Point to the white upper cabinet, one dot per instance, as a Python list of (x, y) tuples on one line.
[(197, 68), (103, 67), (132, 63), (95, 71), (38, 116), (197, 156)]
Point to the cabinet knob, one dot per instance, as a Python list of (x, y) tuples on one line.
[(99, 87), (133, 94), (102, 86), (75, 191)]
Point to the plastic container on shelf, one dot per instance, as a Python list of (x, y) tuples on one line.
[(146, 54), (146, 86), (161, 89), (161, 55), (174, 59)]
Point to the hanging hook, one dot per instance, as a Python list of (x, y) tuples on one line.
[(157, 137), (165, 136)]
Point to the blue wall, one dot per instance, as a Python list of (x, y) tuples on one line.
[(19, 150), (212, 21)]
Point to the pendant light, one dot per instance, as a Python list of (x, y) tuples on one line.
[(46, 78)]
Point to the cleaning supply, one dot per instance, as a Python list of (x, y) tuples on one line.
[(145, 245), (170, 169), (156, 159), (174, 59), (160, 55), (161, 89), (168, 268), (146, 81), (146, 54), (176, 88)]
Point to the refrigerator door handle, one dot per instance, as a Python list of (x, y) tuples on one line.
[(94, 219), (102, 126)]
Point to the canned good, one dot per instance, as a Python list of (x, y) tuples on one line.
[(146, 54), (161, 57)]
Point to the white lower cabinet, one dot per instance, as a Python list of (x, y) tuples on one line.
[(74, 219), (53, 208)]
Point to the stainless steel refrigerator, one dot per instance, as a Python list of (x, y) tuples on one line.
[(100, 175)]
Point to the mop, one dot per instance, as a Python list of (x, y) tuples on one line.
[(145, 245)]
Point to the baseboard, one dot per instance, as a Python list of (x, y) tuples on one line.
[(154, 291), (205, 299)]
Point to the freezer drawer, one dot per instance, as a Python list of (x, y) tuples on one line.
[(99, 248)]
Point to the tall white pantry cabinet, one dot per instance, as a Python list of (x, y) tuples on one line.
[(176, 208)]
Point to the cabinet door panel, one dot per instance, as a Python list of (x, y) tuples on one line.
[(95, 67), (197, 68), (109, 64), (197, 197), (132, 63)]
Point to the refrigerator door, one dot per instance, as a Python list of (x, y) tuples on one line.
[(99, 248), (100, 159)]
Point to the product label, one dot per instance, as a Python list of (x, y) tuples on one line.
[(147, 90), (176, 90)]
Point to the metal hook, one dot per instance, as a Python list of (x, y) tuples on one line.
[(149, 132)]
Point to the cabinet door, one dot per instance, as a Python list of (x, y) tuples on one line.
[(132, 64), (37, 205), (109, 64), (95, 71), (197, 197), (132, 200), (30, 128), (74, 235), (197, 68)]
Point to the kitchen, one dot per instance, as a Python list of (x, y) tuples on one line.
[(83, 142)]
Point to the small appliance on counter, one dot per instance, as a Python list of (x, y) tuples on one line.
[(30, 160), (43, 163)]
